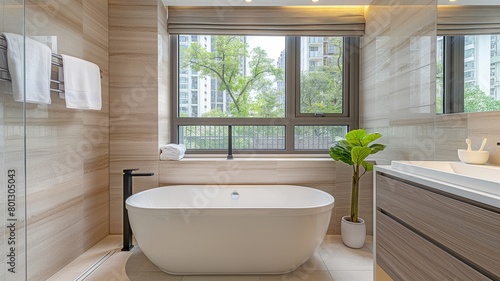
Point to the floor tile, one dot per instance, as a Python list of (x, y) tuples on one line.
[(222, 278), (336, 256), (352, 275), (87, 259), (149, 266), (154, 276), (314, 263), (332, 262), (299, 275)]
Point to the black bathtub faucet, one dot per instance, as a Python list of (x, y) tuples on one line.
[(127, 192), (230, 142)]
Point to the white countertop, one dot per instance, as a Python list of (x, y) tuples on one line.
[(455, 189)]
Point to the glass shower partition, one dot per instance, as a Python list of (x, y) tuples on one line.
[(13, 253)]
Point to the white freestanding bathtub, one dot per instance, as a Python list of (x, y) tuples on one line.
[(196, 229)]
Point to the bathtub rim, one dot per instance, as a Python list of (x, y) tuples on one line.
[(221, 211)]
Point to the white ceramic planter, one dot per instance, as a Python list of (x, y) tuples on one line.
[(353, 233)]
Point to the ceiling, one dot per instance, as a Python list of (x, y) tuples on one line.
[(263, 2), (305, 2), (470, 2)]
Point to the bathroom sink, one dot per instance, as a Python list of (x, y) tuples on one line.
[(485, 178)]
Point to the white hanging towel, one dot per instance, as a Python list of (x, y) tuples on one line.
[(38, 68), (82, 83)]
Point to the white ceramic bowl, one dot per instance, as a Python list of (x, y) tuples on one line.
[(473, 157)]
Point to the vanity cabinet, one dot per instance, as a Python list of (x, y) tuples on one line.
[(426, 234)]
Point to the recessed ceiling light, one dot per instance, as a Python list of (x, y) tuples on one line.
[(315, 0), (452, 0), (248, 1)]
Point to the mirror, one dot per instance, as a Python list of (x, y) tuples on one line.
[(468, 59)]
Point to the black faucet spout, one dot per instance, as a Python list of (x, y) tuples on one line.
[(143, 175)]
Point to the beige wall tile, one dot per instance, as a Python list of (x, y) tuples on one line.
[(485, 125), (134, 96), (164, 98)]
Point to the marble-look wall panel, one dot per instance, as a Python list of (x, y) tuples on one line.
[(134, 86), (455, 128), (451, 132), (164, 99), (67, 149), (485, 125), (397, 77), (139, 99)]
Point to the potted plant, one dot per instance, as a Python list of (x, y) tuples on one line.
[(353, 151)]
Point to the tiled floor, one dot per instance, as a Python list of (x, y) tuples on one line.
[(332, 262)]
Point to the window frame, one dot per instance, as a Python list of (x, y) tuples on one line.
[(453, 74), (349, 117)]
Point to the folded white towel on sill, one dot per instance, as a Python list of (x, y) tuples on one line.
[(172, 151), (82, 83), (37, 57)]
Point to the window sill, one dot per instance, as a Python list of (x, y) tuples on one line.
[(260, 157)]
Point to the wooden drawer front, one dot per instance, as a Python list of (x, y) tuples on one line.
[(406, 256), (470, 231)]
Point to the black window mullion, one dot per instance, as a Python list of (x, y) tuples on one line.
[(292, 79), (453, 69), (351, 80)]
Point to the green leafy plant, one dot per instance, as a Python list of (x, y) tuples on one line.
[(353, 151)]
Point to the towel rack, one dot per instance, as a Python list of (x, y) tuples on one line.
[(57, 85)]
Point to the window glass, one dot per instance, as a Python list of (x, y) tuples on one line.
[(439, 74), (244, 137), (481, 80), (321, 75), (245, 74), (317, 137)]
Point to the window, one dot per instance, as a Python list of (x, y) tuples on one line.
[(194, 110), (314, 51), (331, 48), (469, 65), (312, 65), (194, 82), (194, 97), (321, 82), (469, 53), (467, 80), (469, 75), (253, 87)]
